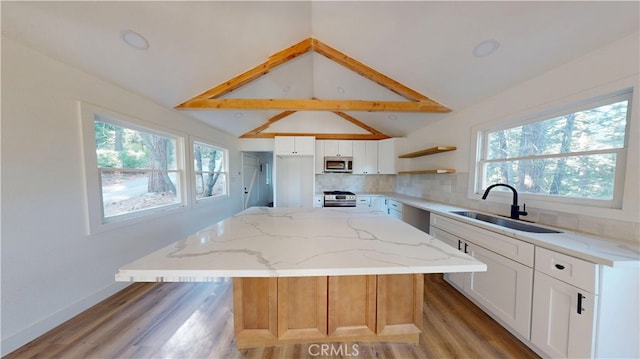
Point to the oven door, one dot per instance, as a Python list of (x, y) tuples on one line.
[(339, 201)]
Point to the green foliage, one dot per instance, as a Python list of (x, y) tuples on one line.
[(133, 159), (526, 156), (108, 158), (119, 147)]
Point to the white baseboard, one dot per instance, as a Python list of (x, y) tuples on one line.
[(24, 336)]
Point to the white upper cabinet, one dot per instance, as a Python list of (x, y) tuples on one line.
[(365, 157), (338, 148), (320, 157), (388, 152), (295, 145)]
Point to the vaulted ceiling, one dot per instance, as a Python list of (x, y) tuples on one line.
[(425, 46)]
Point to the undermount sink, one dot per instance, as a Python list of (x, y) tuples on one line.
[(503, 222)]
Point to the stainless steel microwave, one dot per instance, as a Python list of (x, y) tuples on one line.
[(338, 164)]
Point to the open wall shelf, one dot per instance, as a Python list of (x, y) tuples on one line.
[(428, 151), (440, 171)]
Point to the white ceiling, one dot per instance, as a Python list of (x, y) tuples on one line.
[(427, 46)]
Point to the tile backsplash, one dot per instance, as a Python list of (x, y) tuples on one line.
[(355, 183), (452, 189)]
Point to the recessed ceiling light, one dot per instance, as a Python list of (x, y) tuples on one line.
[(393, 117), (134, 40), (238, 115), (486, 48)]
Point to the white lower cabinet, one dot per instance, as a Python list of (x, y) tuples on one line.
[(504, 290), (363, 201), (378, 203), (574, 308), (394, 208), (563, 317)]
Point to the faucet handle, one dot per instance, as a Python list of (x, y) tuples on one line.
[(524, 209)]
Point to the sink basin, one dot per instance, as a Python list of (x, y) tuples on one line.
[(503, 222)]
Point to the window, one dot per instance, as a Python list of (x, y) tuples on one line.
[(210, 169), (138, 170), (575, 155)]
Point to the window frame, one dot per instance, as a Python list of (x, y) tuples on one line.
[(479, 149), (96, 220), (193, 140)]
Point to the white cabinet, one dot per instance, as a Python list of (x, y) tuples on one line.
[(294, 145), (608, 325), (378, 203), (294, 181), (504, 290), (574, 308), (388, 152), (456, 279), (338, 148), (319, 157), (564, 305), (318, 201), (363, 201), (563, 317), (365, 157), (394, 208)]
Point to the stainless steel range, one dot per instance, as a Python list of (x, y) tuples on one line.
[(339, 199)]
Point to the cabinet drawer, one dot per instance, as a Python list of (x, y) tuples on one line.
[(571, 270), (392, 204), (363, 201), (506, 246)]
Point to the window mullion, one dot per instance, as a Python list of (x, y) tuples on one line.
[(555, 155)]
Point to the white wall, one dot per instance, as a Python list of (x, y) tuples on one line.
[(611, 68), (51, 270)]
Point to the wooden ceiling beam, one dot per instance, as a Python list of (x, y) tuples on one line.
[(319, 136), (368, 72), (210, 98), (373, 133), (360, 124), (264, 126), (313, 105), (274, 60)]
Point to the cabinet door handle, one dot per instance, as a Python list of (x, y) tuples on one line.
[(459, 245), (560, 266), (466, 245), (580, 297)]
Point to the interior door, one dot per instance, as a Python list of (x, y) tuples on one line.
[(250, 166)]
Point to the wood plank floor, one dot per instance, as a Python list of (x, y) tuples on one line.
[(195, 320)]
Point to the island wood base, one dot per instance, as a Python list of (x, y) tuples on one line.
[(363, 308)]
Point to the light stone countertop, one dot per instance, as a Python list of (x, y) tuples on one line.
[(590, 248), (296, 242)]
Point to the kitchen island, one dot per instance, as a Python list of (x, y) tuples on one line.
[(311, 274)]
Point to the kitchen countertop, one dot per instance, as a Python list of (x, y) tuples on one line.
[(297, 242), (579, 245)]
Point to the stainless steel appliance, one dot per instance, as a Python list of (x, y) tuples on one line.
[(339, 199), (338, 164)]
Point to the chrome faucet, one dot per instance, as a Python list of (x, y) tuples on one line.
[(515, 209)]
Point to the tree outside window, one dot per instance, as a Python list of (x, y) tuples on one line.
[(575, 155), (138, 169), (210, 168)]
